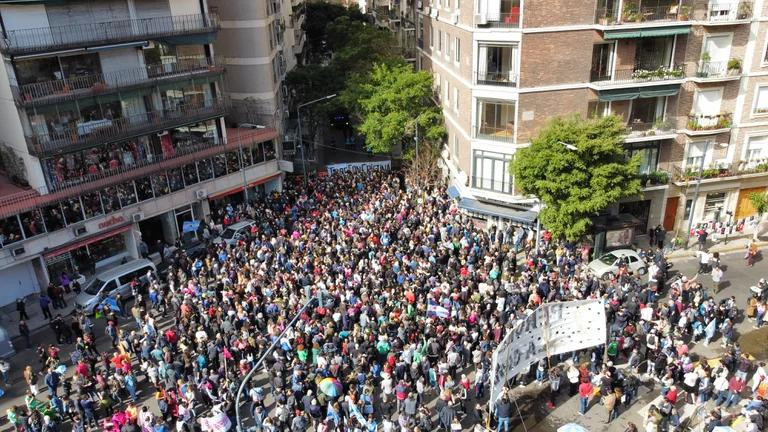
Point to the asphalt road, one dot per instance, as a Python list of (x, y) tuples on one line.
[(537, 417)]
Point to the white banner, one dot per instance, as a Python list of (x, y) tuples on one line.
[(358, 166), (553, 328)]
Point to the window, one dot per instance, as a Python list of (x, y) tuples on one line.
[(696, 155), (457, 50), (761, 101), (447, 94), (436, 83), (430, 36), (713, 205), (757, 151), (597, 108), (496, 120), (491, 171), (447, 45), (456, 145), (602, 55), (439, 40), (648, 152), (456, 99), (688, 205)]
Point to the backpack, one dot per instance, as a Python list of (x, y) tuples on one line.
[(666, 409)]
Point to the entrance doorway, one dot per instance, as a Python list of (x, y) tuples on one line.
[(152, 233), (670, 213), (638, 209)]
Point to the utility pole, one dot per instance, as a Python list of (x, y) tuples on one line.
[(301, 138)]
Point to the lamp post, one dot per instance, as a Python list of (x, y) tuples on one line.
[(242, 156), (301, 139)]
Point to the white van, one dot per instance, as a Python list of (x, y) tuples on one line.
[(235, 232), (111, 283)]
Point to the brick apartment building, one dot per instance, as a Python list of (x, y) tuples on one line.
[(689, 77), (119, 124)]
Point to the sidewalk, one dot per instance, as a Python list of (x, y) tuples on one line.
[(734, 244), (9, 317)]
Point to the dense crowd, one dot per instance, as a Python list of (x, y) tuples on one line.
[(367, 257)]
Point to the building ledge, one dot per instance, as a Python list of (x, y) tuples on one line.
[(704, 132), (720, 78), (722, 178)]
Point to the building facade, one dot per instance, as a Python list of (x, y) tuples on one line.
[(117, 129), (690, 78)]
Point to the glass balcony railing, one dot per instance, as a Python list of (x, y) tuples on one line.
[(93, 84), (496, 132), (504, 79), (33, 40), (82, 135), (635, 12)]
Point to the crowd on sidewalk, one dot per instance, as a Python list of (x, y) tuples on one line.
[(410, 298)]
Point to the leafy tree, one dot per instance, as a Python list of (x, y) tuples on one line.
[(759, 202), (577, 168), (391, 103)]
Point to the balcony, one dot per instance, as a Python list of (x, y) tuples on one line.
[(649, 12), (639, 74), (642, 131), (36, 40), (77, 136), (754, 168), (502, 79), (53, 91), (506, 16), (496, 133), (703, 124), (727, 12)]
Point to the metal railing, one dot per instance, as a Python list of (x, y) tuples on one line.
[(504, 79), (641, 128), (729, 11), (732, 169), (492, 185), (710, 69), (635, 12), (704, 122), (639, 73), (505, 20), (86, 134), (496, 133), (31, 40), (88, 85)]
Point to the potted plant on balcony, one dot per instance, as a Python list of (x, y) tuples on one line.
[(705, 58), (661, 125), (685, 13), (658, 177), (631, 13), (744, 11), (734, 66)]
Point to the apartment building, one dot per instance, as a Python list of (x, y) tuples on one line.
[(115, 131), (690, 78)]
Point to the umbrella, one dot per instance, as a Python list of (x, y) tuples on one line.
[(331, 387), (572, 427), (723, 429)]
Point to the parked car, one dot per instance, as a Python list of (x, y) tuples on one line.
[(112, 282), (233, 233), (608, 264)]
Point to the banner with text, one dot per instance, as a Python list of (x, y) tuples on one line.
[(553, 328), (358, 166)]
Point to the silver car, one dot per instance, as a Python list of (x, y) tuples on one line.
[(607, 265)]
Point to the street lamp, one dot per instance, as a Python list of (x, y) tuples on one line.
[(570, 147), (301, 139), (698, 185), (242, 156)]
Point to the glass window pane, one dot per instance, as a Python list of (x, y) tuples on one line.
[(127, 194), (110, 199), (10, 231), (53, 217), (73, 211), (32, 223), (144, 188), (160, 185), (92, 205)]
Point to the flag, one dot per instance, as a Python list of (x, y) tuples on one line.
[(434, 309)]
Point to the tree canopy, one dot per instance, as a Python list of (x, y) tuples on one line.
[(578, 183), (391, 102)]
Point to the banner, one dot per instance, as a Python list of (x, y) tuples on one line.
[(358, 166), (553, 328), (435, 310)]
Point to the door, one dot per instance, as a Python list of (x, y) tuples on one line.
[(707, 106), (744, 207), (719, 50), (670, 213)]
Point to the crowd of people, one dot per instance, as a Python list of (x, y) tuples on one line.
[(358, 258)]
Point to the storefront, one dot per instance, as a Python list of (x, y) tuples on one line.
[(89, 254), (19, 280)]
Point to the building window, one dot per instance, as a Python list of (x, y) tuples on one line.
[(597, 109), (106, 248), (496, 120), (430, 36), (436, 83), (713, 205), (456, 99), (496, 65), (447, 94), (648, 152), (490, 171), (696, 155), (447, 44), (439, 40), (688, 205), (456, 145), (757, 151), (761, 101), (457, 50)]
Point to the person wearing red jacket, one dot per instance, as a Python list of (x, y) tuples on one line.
[(736, 385), (585, 392)]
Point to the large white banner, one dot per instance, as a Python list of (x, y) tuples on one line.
[(553, 328), (358, 166)]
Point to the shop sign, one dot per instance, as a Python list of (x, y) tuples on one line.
[(112, 221)]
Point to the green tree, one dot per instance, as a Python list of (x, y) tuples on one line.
[(759, 202), (391, 103), (577, 168)]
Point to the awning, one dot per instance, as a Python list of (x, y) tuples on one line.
[(646, 33), (453, 192), (638, 92), (85, 241), (486, 209)]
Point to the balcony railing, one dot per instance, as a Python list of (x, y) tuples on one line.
[(492, 185), (89, 85), (496, 133), (729, 11), (634, 12), (26, 41), (704, 122), (638, 74), (87, 134), (504, 20), (644, 129), (504, 79), (759, 166)]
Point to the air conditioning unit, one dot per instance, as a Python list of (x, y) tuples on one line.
[(454, 18), (79, 230), (481, 19), (18, 251), (137, 217), (200, 194)]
